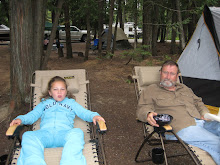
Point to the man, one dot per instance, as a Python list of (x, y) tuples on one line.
[(170, 97)]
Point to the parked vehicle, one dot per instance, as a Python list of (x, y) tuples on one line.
[(4, 33), (129, 29), (75, 33)]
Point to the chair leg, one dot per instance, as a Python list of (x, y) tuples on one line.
[(163, 146), (142, 145), (165, 155), (187, 149), (11, 151)]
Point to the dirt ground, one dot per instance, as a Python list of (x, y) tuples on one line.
[(111, 96)]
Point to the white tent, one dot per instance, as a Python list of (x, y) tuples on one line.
[(199, 63)]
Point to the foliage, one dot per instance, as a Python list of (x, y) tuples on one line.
[(167, 57), (137, 54), (129, 11), (108, 55), (4, 12), (128, 81), (200, 5), (78, 12), (149, 63)]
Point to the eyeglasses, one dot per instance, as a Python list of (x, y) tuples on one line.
[(171, 73)]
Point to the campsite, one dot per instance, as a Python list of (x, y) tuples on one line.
[(104, 78), (112, 95)]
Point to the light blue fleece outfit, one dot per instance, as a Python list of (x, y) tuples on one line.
[(56, 130)]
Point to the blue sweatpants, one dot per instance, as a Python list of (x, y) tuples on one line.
[(205, 135), (34, 142)]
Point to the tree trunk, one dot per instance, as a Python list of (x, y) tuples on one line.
[(120, 16), (52, 34), (109, 39), (27, 19), (162, 33), (173, 38), (135, 24), (179, 16), (116, 29), (155, 30), (57, 41), (147, 24), (192, 23), (69, 53), (100, 26), (88, 31)]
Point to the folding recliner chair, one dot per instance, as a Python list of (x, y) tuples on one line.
[(79, 86), (146, 75)]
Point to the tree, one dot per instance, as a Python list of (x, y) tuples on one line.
[(88, 30), (26, 43), (154, 30), (192, 24), (147, 24), (67, 29), (120, 14), (182, 39), (27, 19), (116, 28), (173, 32), (100, 25), (135, 22), (111, 12)]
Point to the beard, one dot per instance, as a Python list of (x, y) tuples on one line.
[(167, 83)]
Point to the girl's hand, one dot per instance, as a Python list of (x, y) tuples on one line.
[(17, 121), (97, 118)]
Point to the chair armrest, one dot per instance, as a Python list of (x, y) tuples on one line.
[(101, 126), (14, 130), (168, 128)]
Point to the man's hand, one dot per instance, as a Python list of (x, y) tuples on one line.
[(17, 121), (203, 118), (151, 120), (97, 118)]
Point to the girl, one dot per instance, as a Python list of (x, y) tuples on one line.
[(57, 111)]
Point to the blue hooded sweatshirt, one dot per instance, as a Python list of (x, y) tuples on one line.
[(57, 115)]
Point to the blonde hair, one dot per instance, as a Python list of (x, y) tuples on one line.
[(46, 94)]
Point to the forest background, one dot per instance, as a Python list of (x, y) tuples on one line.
[(160, 21)]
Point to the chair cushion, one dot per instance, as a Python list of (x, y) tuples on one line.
[(149, 75)]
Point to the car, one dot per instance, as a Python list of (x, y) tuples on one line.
[(75, 33), (4, 33)]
